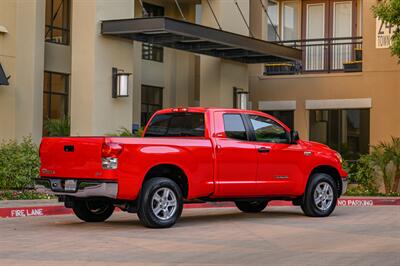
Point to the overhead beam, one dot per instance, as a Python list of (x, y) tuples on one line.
[(196, 38)]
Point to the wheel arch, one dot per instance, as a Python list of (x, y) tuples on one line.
[(171, 171), (329, 170)]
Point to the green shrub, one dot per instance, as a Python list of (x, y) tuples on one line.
[(57, 127), (383, 162), (19, 164), (361, 172), (23, 195), (385, 158)]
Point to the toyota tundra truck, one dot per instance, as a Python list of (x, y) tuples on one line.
[(191, 155)]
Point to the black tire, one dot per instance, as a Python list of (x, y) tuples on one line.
[(148, 204), (314, 207), (251, 206), (93, 211)]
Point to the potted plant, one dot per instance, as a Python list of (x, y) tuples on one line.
[(352, 66), (280, 69)]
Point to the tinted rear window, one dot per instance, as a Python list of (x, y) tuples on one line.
[(234, 127), (176, 125)]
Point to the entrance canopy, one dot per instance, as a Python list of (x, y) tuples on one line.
[(199, 39)]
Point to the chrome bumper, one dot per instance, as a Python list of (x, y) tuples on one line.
[(344, 185), (85, 189)]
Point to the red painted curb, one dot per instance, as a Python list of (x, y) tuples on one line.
[(60, 210), (33, 211)]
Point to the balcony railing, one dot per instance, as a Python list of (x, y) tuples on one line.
[(322, 56)]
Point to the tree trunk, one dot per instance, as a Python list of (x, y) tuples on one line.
[(386, 182), (396, 180)]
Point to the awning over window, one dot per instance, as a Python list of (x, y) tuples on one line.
[(3, 77), (199, 39)]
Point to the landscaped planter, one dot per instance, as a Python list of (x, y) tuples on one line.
[(352, 66), (280, 69)]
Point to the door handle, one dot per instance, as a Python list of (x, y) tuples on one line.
[(264, 150), (218, 148)]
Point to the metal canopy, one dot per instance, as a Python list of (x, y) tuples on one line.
[(199, 39)]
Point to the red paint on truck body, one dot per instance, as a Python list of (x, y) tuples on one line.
[(215, 165)]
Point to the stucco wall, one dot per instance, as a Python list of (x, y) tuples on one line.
[(218, 76), (93, 110), (22, 56), (8, 60)]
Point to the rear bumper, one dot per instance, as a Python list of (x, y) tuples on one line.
[(84, 188)]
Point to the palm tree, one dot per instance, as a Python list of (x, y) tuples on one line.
[(382, 157)]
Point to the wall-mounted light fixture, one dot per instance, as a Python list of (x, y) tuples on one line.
[(119, 83), (241, 98), (3, 78), (3, 29)]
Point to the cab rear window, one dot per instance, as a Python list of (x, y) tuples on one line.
[(183, 124)]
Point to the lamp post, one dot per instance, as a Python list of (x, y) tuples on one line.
[(241, 98), (119, 83)]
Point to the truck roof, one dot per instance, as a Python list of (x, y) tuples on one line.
[(205, 109), (216, 109)]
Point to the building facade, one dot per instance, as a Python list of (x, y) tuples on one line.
[(343, 93), (346, 91), (61, 66)]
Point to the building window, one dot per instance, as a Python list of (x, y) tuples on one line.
[(273, 20), (152, 101), (55, 96), (150, 51), (289, 20), (57, 21), (346, 131), (287, 117)]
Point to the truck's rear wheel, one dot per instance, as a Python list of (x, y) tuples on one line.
[(93, 210), (161, 203), (251, 206), (320, 197)]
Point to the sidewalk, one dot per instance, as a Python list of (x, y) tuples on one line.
[(22, 208), (27, 203)]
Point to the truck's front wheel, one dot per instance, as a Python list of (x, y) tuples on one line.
[(161, 203), (320, 197), (93, 210), (251, 206)]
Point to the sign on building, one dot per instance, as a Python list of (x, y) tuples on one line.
[(384, 33)]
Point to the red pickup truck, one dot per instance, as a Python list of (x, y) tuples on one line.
[(191, 155)]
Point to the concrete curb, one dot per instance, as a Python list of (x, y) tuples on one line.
[(46, 208)]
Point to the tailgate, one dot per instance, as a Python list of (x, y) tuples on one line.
[(77, 157)]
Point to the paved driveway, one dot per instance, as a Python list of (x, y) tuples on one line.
[(220, 236)]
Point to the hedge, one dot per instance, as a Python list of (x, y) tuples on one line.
[(19, 164)]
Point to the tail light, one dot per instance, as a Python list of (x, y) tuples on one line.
[(111, 149), (109, 153)]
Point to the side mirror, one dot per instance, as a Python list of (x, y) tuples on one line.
[(294, 136)]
